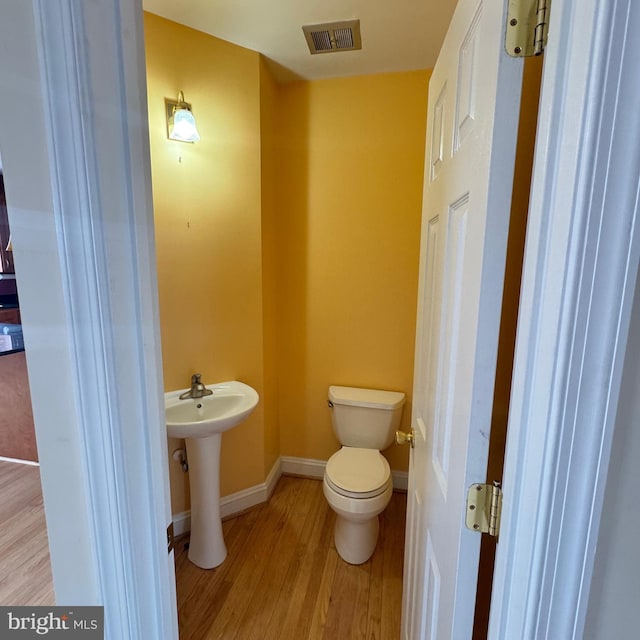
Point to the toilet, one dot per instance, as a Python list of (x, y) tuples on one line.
[(357, 480)]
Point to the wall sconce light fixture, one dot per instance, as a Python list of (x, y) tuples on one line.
[(181, 125)]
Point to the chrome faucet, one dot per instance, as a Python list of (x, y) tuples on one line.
[(197, 389)]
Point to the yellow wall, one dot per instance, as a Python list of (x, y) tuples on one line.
[(207, 202), (349, 206), (269, 162), (287, 241)]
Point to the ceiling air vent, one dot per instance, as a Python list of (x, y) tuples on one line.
[(333, 36)]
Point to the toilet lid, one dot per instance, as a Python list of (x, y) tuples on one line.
[(358, 473)]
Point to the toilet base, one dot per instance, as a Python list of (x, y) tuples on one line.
[(356, 540)]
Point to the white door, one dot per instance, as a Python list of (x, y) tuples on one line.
[(474, 97)]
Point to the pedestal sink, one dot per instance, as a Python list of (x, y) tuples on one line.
[(201, 421)]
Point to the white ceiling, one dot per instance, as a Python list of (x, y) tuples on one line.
[(397, 35)]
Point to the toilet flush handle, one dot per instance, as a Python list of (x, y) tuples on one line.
[(404, 438)]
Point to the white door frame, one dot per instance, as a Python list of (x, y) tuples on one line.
[(74, 138), (581, 263)]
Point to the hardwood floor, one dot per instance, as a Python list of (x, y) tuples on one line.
[(25, 569), (17, 432), (283, 579)]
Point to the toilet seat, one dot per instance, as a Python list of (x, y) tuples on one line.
[(358, 473)]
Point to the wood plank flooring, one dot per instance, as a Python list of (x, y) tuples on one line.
[(283, 579), (17, 432), (25, 568)]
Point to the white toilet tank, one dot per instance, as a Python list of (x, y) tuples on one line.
[(366, 418)]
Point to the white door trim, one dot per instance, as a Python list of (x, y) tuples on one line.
[(112, 457), (581, 262)]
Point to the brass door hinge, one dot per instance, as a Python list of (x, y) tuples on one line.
[(527, 27), (170, 539), (484, 508)]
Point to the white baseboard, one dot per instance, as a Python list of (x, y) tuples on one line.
[(20, 461), (242, 500), (310, 468), (273, 477), (181, 523), (305, 467), (235, 502), (400, 480)]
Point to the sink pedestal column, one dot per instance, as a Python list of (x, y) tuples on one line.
[(206, 546)]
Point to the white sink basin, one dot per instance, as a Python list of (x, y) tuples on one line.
[(229, 405), (201, 422)]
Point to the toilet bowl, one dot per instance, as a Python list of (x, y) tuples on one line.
[(357, 485), (357, 480)]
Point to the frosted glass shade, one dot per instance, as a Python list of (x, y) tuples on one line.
[(183, 126)]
